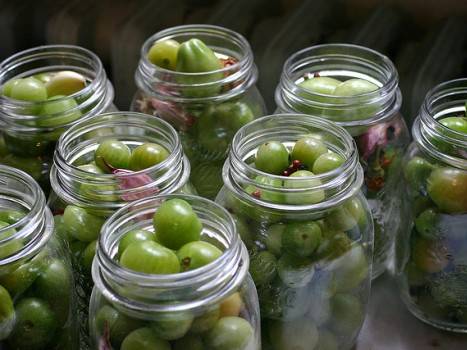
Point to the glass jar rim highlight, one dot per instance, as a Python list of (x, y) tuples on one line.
[(112, 191), (187, 291), (340, 184), (440, 142), (240, 75), (348, 60)]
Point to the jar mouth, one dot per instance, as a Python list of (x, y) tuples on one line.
[(171, 292), (341, 61), (445, 100), (19, 191), (338, 184), (26, 116), (77, 145), (230, 80)]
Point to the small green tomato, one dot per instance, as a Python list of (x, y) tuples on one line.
[(327, 162), (82, 225), (311, 195), (65, 83), (320, 85), (147, 155), (272, 157), (229, 333), (132, 236), (28, 89), (150, 257), (144, 339), (307, 150), (164, 53), (112, 153), (194, 255), (301, 238)]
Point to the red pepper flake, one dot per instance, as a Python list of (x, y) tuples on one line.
[(375, 184), (386, 162), (285, 173), (227, 62), (256, 194), (296, 163), (316, 75)]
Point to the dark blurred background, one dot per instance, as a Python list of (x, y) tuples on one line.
[(427, 39)]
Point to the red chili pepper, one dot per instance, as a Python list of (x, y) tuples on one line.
[(375, 184), (256, 194)]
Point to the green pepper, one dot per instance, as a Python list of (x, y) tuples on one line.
[(195, 57)]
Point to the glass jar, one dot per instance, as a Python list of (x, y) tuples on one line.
[(31, 129), (216, 304), (37, 297), (432, 246), (206, 108), (372, 118), (315, 297), (82, 200)]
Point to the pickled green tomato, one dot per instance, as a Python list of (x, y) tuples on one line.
[(43, 77), (11, 216), (353, 87), (144, 339), (229, 333), (273, 238), (205, 321), (88, 256), (263, 267), (347, 314), (176, 224), (350, 269), (272, 157), (28, 89), (132, 236), (301, 238), (56, 113), (233, 115), (307, 150), (327, 341), (295, 271), (430, 256), (455, 123), (150, 257), (7, 310), (173, 326), (54, 281), (300, 334), (91, 168), (266, 195), (35, 325), (65, 83), (10, 248), (147, 155), (327, 162), (426, 225), (447, 187), (81, 225), (194, 255), (8, 86), (417, 171), (304, 197), (320, 85), (112, 153), (164, 53)]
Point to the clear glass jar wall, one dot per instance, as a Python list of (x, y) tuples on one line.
[(36, 111), (432, 246), (214, 306), (206, 106), (37, 297), (83, 196), (357, 88), (310, 238)]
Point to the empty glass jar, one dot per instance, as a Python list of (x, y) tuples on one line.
[(211, 307), (310, 237), (432, 246), (206, 106), (37, 300), (357, 88), (35, 114)]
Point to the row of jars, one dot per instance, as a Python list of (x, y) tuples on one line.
[(311, 298)]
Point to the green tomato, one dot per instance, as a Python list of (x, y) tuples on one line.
[(206, 321), (307, 150), (173, 326), (312, 196), (132, 236), (81, 225), (347, 314), (447, 187), (55, 112), (294, 271), (11, 216), (263, 267), (333, 245), (147, 155), (301, 238), (12, 247), (416, 171), (88, 256), (176, 224), (455, 123), (8, 86), (91, 168), (327, 341), (274, 196), (207, 179), (150, 257), (65, 83), (346, 216), (195, 57), (273, 239), (229, 333), (299, 334), (350, 269), (112, 153), (117, 324), (43, 77), (35, 325), (164, 53), (189, 342), (194, 255), (327, 162), (354, 87), (243, 231), (29, 89), (427, 225), (7, 310), (320, 85), (233, 115), (430, 256), (144, 339), (272, 157), (32, 166)]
